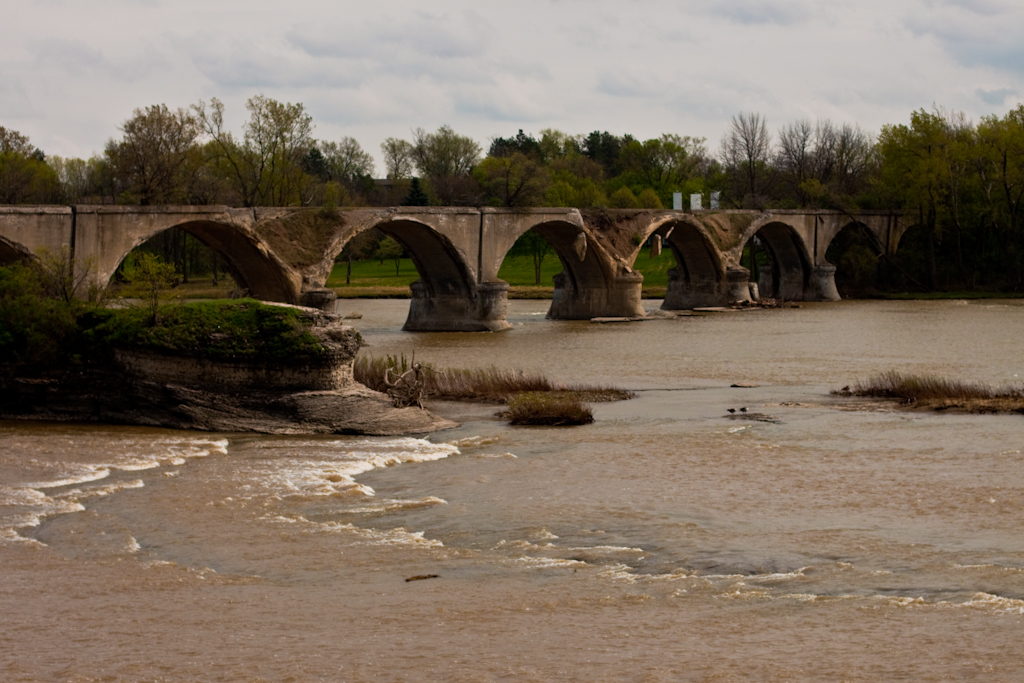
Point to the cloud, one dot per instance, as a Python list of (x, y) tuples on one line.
[(73, 70), (758, 12), (995, 97), (975, 33), (80, 59)]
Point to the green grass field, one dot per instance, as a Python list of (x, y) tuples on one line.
[(371, 278)]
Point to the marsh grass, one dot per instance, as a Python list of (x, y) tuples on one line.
[(490, 385), (539, 409), (924, 388)]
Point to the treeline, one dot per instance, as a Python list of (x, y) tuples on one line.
[(961, 183)]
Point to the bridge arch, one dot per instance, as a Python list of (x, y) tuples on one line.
[(778, 259), (854, 250), (592, 286), (699, 276), (446, 297), (248, 260)]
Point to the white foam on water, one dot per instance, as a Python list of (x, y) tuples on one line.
[(1000, 604), (132, 546), (985, 601), (332, 471), (393, 505), (398, 537), (89, 473), (547, 562), (522, 544), (615, 549), (474, 441), (741, 592), (27, 505), (778, 576), (1001, 568), (79, 494)]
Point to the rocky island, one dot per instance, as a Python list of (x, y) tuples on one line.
[(241, 366)]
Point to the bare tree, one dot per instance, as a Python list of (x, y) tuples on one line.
[(746, 152), (796, 149)]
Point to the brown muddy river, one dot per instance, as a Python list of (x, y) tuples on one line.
[(669, 541)]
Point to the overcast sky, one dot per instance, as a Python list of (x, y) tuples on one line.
[(72, 71)]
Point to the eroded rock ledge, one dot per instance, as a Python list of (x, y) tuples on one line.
[(151, 388)]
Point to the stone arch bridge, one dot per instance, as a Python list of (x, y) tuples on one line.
[(286, 254)]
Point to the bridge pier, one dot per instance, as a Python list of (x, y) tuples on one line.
[(621, 298), (686, 291), (737, 283), (484, 311), (823, 283)]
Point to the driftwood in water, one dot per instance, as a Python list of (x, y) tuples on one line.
[(407, 389)]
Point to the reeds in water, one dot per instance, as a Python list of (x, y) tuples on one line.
[(491, 384), (912, 388)]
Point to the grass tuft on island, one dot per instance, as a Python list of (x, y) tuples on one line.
[(235, 330), (938, 393), (553, 410), (490, 385)]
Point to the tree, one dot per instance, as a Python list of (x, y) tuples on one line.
[(398, 158), (604, 149), (150, 159), (575, 181), (513, 180), (531, 245), (746, 154), (623, 198), (62, 278), (266, 166), (1002, 180), (823, 163), (13, 142), (82, 181), (665, 162), (416, 196), (913, 168), (523, 144), (345, 160), (554, 144), (389, 248), (362, 245), (649, 199), (24, 174), (445, 159), (147, 276)]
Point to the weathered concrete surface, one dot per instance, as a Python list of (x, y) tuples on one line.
[(286, 254), (24, 230)]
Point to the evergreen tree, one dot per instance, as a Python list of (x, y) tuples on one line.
[(416, 196)]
